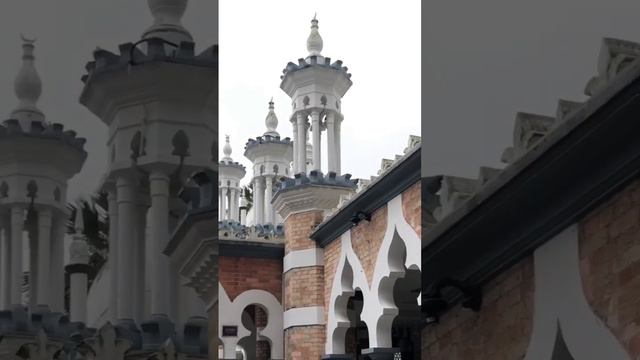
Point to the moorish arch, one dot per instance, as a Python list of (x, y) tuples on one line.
[(392, 263), (232, 315), (563, 319)]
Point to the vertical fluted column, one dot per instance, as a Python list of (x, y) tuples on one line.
[(301, 124), (5, 262), (337, 141), (295, 147), (258, 200), (113, 253), (232, 204), (268, 194), (31, 228), (315, 140), (126, 259), (57, 262), (159, 237), (223, 203), (331, 143), (17, 225), (78, 269), (140, 262), (44, 256)]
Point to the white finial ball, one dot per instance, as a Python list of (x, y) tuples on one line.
[(227, 147), (314, 42)]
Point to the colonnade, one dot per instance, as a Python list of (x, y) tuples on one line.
[(329, 122)]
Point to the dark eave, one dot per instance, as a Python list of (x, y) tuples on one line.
[(235, 248), (589, 157), (404, 174)]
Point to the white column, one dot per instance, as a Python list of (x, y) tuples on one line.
[(44, 256), (139, 248), (295, 147), (225, 199), (5, 262), (337, 142), (31, 228), (220, 197), (258, 200), (113, 253), (57, 262), (78, 269), (331, 143), (315, 140), (268, 194), (159, 237), (302, 142), (126, 259), (232, 203), (243, 216), (17, 225)]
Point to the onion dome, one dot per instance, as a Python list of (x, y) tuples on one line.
[(314, 42), (227, 150), (28, 88), (271, 121)]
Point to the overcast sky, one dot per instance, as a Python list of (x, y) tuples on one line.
[(68, 31), (485, 60), (379, 43)]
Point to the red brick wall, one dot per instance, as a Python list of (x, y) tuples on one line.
[(297, 229), (239, 274), (304, 343), (610, 265), (501, 330), (366, 239), (304, 287), (412, 207), (331, 256)]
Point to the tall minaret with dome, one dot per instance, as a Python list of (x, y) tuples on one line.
[(38, 159), (316, 87), (271, 157), (158, 99), (230, 173)]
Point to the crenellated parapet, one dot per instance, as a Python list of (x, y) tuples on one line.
[(11, 129), (233, 230), (156, 50), (46, 335)]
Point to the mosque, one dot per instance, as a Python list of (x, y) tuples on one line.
[(312, 263)]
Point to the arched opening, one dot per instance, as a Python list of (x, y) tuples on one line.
[(357, 336), (255, 318)]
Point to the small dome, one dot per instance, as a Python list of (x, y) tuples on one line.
[(28, 88), (227, 149), (271, 121), (167, 15), (314, 42)]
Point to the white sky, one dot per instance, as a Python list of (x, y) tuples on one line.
[(380, 44)]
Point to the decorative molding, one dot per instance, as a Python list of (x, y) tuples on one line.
[(304, 316), (303, 258)]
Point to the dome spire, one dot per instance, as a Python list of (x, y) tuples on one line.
[(314, 42), (271, 121), (227, 149), (167, 15), (28, 87)]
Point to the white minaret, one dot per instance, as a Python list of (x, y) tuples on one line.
[(160, 105), (38, 160), (78, 269), (316, 87), (271, 157), (230, 174)]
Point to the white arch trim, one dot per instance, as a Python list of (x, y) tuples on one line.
[(230, 313), (559, 300), (379, 309)]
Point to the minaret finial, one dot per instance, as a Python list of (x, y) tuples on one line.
[(314, 42), (227, 149), (271, 121), (167, 15), (28, 87)]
